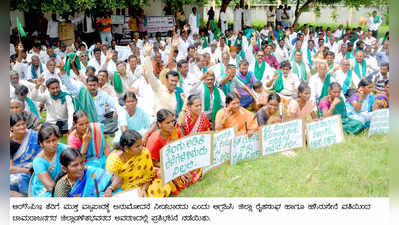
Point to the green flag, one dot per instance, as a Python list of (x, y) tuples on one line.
[(20, 28)]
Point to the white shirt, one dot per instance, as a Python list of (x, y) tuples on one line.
[(193, 23), (278, 14), (223, 17), (52, 29), (271, 16), (94, 63), (373, 26), (370, 41), (145, 96), (237, 14), (338, 33), (291, 83), (55, 110), (281, 54), (29, 74), (247, 17), (316, 85)]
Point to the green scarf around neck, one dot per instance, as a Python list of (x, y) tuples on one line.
[(350, 55), (310, 56), (61, 96), (279, 84), (347, 82), (376, 19), (326, 85), (302, 75), (205, 42), (117, 83), (216, 100), (357, 69), (247, 80), (259, 70), (32, 107)]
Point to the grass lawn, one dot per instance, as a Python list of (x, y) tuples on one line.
[(356, 168)]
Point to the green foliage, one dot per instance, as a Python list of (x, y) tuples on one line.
[(334, 15)]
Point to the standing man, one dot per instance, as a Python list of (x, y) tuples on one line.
[(247, 16), (374, 23), (104, 27), (194, 21), (211, 17), (237, 18), (223, 19), (271, 16)]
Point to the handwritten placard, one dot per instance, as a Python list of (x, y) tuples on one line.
[(221, 147), (184, 155), (244, 148), (325, 132), (282, 136), (379, 122)]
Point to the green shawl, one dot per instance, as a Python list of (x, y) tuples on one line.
[(347, 82), (61, 96), (85, 102), (326, 84), (376, 19), (302, 75), (279, 84), (205, 42), (179, 100), (310, 56), (259, 70), (357, 69), (32, 107), (350, 55), (68, 62), (216, 100), (117, 83), (198, 20), (247, 80)]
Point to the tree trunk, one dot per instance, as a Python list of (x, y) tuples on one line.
[(299, 10), (224, 5), (242, 17)]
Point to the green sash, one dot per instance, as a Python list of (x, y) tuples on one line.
[(357, 69), (198, 20), (376, 19), (259, 70), (347, 82), (61, 96), (279, 84), (216, 100), (310, 56), (350, 55), (205, 42), (326, 84), (117, 83), (242, 54), (293, 53), (235, 42), (32, 107), (68, 62), (85, 102), (179, 100), (281, 34), (247, 80), (180, 79), (303, 70), (331, 67)]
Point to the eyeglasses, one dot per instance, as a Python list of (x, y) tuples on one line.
[(260, 55)]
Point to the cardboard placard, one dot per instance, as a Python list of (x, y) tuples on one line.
[(282, 137), (155, 24), (244, 148), (325, 132), (221, 148), (184, 155), (379, 122)]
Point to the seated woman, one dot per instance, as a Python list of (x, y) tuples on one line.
[(24, 147), (233, 115), (382, 97), (192, 120), (132, 162), (333, 104), (270, 113), (18, 106), (89, 139), (46, 165), (360, 104), (157, 139), (76, 180), (132, 118), (302, 107)]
